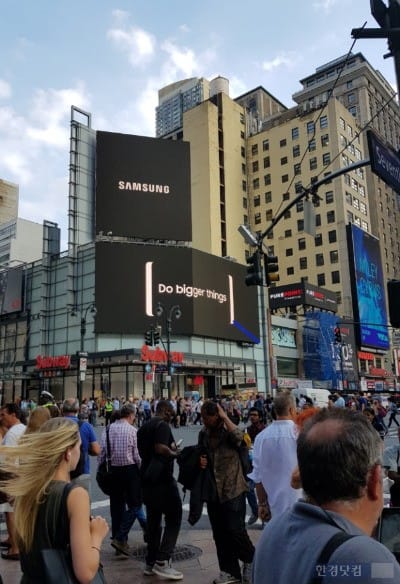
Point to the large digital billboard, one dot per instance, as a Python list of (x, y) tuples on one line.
[(302, 293), (214, 301), (368, 288), (11, 290), (143, 187)]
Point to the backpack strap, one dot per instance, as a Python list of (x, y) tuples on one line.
[(327, 551)]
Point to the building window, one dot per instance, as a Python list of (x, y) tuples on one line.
[(283, 160), (287, 215), (268, 197), (286, 196), (288, 233), (295, 133), (318, 220), (243, 152), (243, 169), (282, 143), (323, 122), (318, 239), (244, 203), (244, 185), (256, 183), (325, 140), (350, 217), (267, 162), (257, 201), (289, 252), (268, 215), (255, 166), (335, 277), (257, 218), (351, 98), (332, 237), (321, 279), (329, 197), (290, 271), (285, 178), (342, 123), (298, 187), (296, 151), (313, 163), (300, 225), (303, 263), (326, 159), (330, 217), (254, 149), (267, 179), (312, 145), (319, 259), (297, 169), (353, 111), (300, 206), (265, 145), (334, 256), (310, 127), (302, 243)]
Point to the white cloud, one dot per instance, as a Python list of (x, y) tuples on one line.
[(287, 60), (5, 89), (136, 42), (326, 5), (184, 28), (182, 61), (49, 115)]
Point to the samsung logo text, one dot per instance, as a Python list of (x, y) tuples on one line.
[(143, 187)]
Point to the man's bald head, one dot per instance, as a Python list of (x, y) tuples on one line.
[(336, 450)]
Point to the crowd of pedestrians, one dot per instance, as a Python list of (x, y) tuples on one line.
[(313, 476)]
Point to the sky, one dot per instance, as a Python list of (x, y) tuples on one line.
[(110, 58)]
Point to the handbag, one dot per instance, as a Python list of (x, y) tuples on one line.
[(104, 472), (58, 568)]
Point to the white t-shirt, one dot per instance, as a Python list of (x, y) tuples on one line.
[(14, 434), (274, 460)]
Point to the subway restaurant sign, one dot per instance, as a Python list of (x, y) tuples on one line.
[(385, 161)]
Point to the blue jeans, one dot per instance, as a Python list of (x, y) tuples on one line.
[(125, 498), (128, 519), (251, 497)]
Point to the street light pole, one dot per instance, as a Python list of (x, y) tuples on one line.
[(175, 311), (81, 371)]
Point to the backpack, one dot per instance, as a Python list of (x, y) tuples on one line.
[(78, 471)]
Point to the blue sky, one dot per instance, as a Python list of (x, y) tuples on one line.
[(111, 57)]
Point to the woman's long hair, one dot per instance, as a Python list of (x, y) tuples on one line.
[(37, 418), (32, 464)]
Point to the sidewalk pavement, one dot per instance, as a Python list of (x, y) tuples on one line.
[(124, 570)]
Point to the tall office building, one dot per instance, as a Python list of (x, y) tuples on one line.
[(370, 99), (8, 201)]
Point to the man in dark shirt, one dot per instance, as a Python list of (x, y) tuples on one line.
[(158, 451), (255, 427)]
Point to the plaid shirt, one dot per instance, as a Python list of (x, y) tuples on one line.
[(123, 444)]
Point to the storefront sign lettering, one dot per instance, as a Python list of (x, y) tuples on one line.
[(59, 362), (159, 356)]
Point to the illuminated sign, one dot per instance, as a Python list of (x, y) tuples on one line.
[(143, 187), (59, 362), (368, 289), (302, 294)]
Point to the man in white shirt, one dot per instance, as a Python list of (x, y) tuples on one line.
[(11, 416), (274, 459)]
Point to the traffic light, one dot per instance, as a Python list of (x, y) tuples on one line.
[(156, 336), (148, 337), (393, 288), (271, 268), (254, 270), (338, 334)]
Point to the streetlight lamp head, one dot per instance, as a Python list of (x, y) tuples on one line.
[(159, 309), (248, 235), (93, 310), (178, 313)]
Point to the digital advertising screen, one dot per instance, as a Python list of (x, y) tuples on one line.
[(11, 290), (368, 288), (143, 187), (131, 279)]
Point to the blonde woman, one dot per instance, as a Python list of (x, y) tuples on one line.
[(37, 418), (50, 512)]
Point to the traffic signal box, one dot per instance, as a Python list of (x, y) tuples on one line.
[(393, 288), (271, 268), (148, 337), (254, 270), (338, 334)]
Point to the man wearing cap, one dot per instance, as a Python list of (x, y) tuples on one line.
[(90, 446)]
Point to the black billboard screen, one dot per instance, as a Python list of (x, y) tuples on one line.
[(143, 187), (131, 279), (11, 290)]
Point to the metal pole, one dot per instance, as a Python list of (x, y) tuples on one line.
[(264, 333), (169, 355)]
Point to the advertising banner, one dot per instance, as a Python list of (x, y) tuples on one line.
[(368, 288), (143, 187), (131, 279)]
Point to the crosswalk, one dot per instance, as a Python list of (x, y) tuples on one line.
[(392, 431)]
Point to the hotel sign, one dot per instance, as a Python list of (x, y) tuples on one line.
[(385, 161)]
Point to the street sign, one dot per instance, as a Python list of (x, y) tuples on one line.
[(385, 162)]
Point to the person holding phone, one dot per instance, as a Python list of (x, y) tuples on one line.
[(220, 439)]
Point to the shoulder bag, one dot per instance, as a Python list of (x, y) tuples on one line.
[(104, 472), (57, 563)]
